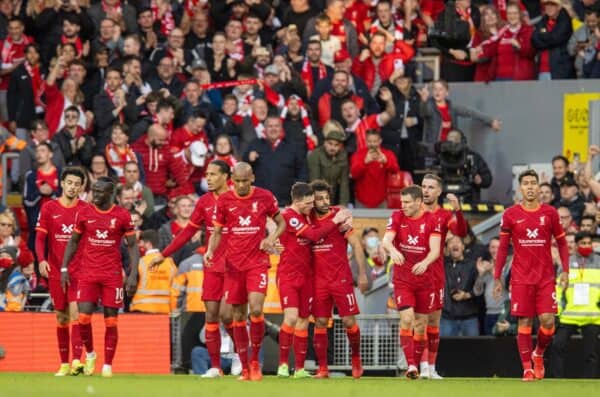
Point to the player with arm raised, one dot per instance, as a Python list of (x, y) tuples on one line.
[(295, 275), (217, 174), (244, 212), (333, 281), (100, 228), (530, 226), (413, 241), (53, 231), (449, 220)]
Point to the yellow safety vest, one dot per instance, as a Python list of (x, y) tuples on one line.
[(187, 286), (578, 305), (153, 294)]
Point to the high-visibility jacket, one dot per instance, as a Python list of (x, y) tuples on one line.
[(272, 303), (579, 304), (153, 294), (186, 290), (15, 296)]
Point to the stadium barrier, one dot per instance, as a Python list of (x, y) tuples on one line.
[(29, 341)]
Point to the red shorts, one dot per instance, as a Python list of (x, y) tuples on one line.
[(340, 294), (61, 299), (296, 293), (532, 300), (438, 304), (109, 291), (239, 284), (213, 286), (422, 300)]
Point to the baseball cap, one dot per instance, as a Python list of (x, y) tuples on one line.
[(272, 69), (198, 151), (341, 55), (568, 181), (336, 135)]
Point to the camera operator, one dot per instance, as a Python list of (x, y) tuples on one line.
[(464, 167)]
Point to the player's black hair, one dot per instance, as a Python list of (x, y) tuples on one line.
[(47, 145), (413, 191), (150, 236), (581, 235), (223, 167), (434, 177), (560, 157), (528, 172), (320, 185), (301, 190), (73, 171), (107, 180)]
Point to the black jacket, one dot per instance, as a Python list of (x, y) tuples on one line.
[(21, 103), (576, 207), (451, 32), (461, 276), (277, 170), (561, 63), (104, 118), (478, 166), (82, 156)]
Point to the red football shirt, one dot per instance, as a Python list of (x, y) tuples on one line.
[(412, 240), (531, 232), (331, 253), (246, 219), (182, 138), (101, 233), (57, 223), (203, 215), (446, 122), (448, 222)]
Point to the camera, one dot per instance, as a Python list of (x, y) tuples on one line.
[(456, 167)]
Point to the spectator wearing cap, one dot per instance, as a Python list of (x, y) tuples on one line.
[(14, 286), (329, 162), (375, 67), (403, 132), (560, 171), (193, 160), (370, 168), (311, 69), (281, 82), (453, 34), (551, 38), (343, 63), (509, 52), (571, 199), (276, 161), (119, 11), (182, 57), (166, 77), (160, 168), (340, 27)]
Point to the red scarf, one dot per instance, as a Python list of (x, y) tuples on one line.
[(238, 117), (12, 50), (238, 53), (38, 84), (191, 5), (76, 41), (307, 75), (167, 21), (308, 131), (117, 7), (116, 158), (259, 127), (111, 95)]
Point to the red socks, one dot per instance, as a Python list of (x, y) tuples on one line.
[(353, 334), (320, 343), (419, 346), (213, 344), (257, 334), (300, 347), (406, 341), (286, 336), (433, 343), (525, 345), (62, 334), (76, 346), (240, 335), (544, 337), (111, 336), (85, 330)]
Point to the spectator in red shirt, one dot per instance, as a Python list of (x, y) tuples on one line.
[(369, 169), (490, 25), (191, 131), (550, 38), (375, 67)]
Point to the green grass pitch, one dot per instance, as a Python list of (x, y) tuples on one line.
[(45, 385)]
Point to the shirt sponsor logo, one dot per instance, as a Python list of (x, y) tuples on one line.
[(67, 229), (245, 221), (413, 240), (101, 234), (532, 233)]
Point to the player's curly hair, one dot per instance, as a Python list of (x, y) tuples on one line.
[(319, 185)]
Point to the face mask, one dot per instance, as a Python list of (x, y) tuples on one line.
[(5, 263), (585, 251), (372, 242)]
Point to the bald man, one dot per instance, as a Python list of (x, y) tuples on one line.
[(243, 212)]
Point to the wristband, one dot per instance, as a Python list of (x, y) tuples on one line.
[(64, 270)]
